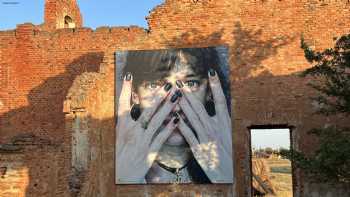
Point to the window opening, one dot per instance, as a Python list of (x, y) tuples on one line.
[(68, 22)]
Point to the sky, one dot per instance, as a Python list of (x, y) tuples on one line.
[(274, 138), (95, 12)]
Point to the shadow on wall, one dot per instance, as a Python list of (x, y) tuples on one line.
[(44, 114), (196, 38), (41, 124), (249, 50)]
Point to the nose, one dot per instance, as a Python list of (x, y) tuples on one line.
[(177, 108)]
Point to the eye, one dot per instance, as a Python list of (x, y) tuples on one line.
[(152, 85), (193, 84)]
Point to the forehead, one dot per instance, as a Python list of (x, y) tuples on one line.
[(150, 66), (185, 72)]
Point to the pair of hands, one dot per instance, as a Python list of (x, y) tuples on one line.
[(138, 142)]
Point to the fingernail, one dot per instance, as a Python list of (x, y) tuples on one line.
[(176, 115), (167, 87), (179, 84), (178, 93), (128, 76), (176, 120), (212, 72), (174, 98)]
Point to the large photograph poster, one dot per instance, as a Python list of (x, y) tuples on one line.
[(173, 116)]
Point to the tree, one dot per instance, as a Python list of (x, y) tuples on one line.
[(331, 78), (332, 75), (268, 150)]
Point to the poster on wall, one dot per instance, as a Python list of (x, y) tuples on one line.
[(173, 114)]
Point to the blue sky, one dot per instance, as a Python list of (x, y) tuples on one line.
[(274, 138), (95, 13)]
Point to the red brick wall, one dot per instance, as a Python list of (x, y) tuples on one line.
[(38, 66), (33, 167)]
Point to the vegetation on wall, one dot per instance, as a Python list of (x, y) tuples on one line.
[(331, 79)]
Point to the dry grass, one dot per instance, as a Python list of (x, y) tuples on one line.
[(281, 176)]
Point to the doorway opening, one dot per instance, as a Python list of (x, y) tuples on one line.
[(271, 174)]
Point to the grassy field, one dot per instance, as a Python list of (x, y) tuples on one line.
[(281, 176)]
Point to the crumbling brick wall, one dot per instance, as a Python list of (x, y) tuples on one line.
[(41, 94), (32, 166)]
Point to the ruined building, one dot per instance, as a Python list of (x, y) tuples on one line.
[(57, 116)]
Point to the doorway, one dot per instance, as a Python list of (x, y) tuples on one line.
[(271, 173)]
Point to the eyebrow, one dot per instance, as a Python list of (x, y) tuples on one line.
[(191, 75)]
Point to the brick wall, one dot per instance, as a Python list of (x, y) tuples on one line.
[(39, 65), (32, 166)]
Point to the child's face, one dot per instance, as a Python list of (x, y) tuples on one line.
[(181, 71)]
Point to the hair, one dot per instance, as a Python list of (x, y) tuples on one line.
[(153, 65), (196, 173)]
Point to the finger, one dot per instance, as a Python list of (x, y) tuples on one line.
[(197, 106), (163, 112), (187, 132), (194, 120), (126, 129), (159, 97), (218, 94), (124, 121), (159, 140), (125, 95)]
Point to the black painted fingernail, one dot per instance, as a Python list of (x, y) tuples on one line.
[(178, 93), (176, 120), (212, 72), (174, 98), (179, 84), (128, 76), (167, 87)]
